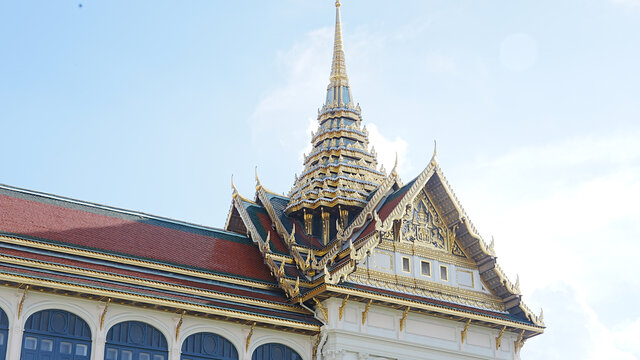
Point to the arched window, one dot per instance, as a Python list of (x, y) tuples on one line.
[(208, 346), (56, 335), (4, 333), (273, 351), (135, 340)]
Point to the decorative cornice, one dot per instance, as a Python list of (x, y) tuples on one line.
[(131, 261), (135, 281), (409, 285), (384, 299), (162, 302)]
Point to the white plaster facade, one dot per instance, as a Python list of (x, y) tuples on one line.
[(347, 338), (422, 337), (165, 322), (390, 262)]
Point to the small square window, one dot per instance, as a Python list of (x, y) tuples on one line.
[(30, 343), (425, 268), (158, 357), (111, 354), (66, 347), (46, 345), (444, 274), (144, 356), (406, 266), (82, 349), (127, 355)]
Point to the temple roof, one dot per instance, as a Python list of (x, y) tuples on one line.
[(309, 269), (96, 251), (341, 169), (269, 265)]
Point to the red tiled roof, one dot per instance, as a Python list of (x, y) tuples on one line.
[(77, 226), (156, 293), (89, 264), (49, 219)]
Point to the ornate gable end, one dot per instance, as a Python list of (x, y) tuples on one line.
[(423, 226), (429, 248), (418, 253)]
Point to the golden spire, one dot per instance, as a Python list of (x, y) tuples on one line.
[(338, 91), (340, 171), (338, 66)]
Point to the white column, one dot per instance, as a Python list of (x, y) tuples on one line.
[(14, 341), (99, 335), (245, 353), (16, 329), (174, 352), (98, 345)]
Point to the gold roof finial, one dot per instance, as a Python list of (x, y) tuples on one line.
[(258, 185), (233, 187), (333, 152), (338, 89)]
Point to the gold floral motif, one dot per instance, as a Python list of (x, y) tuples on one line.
[(24, 296), (499, 338), (455, 250), (341, 310), (463, 333), (104, 312)]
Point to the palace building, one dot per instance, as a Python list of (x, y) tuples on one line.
[(353, 264)]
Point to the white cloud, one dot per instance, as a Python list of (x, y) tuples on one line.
[(615, 149), (284, 111), (388, 149), (565, 216), (629, 3), (441, 64), (518, 52), (626, 336)]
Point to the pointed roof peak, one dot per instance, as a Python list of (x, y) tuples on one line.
[(340, 171), (338, 65), (338, 93)]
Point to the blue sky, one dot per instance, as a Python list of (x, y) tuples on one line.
[(153, 105)]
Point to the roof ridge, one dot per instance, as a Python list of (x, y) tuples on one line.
[(112, 208)]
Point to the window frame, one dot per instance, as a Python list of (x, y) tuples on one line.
[(402, 262), (430, 268), (446, 273)]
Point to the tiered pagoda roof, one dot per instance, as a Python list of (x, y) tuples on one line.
[(278, 256), (341, 168)]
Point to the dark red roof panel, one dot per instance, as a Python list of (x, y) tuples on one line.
[(137, 235)]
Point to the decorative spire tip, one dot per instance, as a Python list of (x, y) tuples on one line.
[(395, 166), (435, 151), (233, 186)]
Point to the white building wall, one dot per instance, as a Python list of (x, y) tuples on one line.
[(165, 322), (380, 337), (422, 337), (457, 276)]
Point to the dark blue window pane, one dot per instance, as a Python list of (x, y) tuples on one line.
[(135, 340), (53, 334), (207, 346), (345, 95), (275, 351), (4, 334), (330, 96)]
